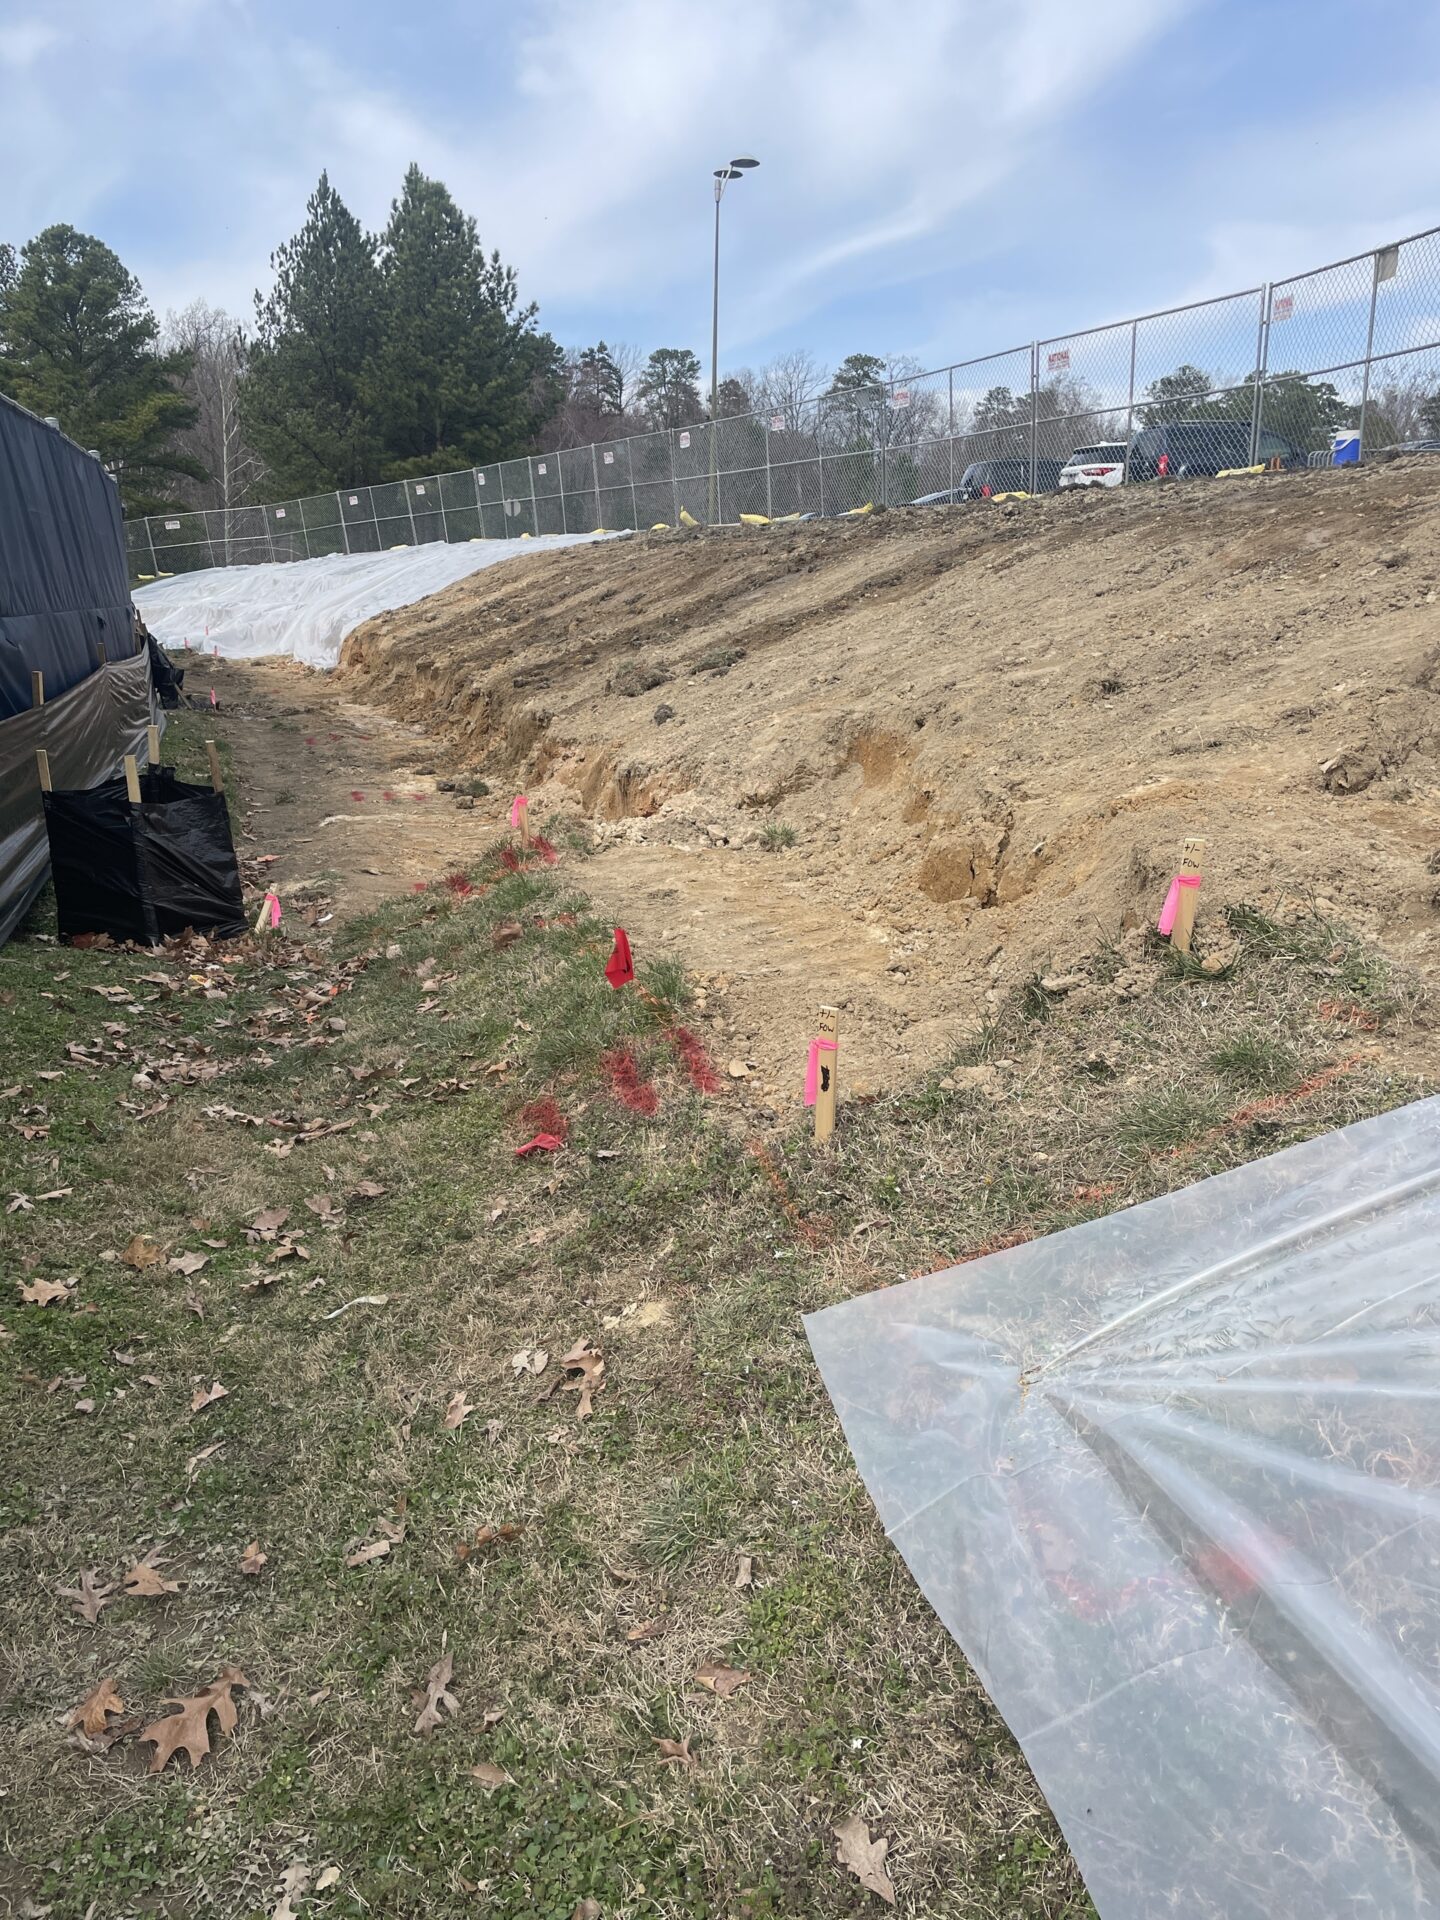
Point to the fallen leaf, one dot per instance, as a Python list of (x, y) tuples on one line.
[(295, 1880), (204, 1454), (204, 1397), (372, 1550), (195, 1304), (437, 1695), (141, 1253), (322, 1205), (590, 1365), (458, 1409), (490, 1776), (270, 1221), (90, 1715), (864, 1857), (188, 1730), (360, 1300), (744, 1572), (252, 1559), (328, 1877), (145, 1582), (188, 1263), (720, 1679), (89, 1597), (84, 1406), (675, 1753), (491, 1717), (646, 1630), (488, 1537), (366, 1190), (44, 1293), (530, 1360), (586, 1910)]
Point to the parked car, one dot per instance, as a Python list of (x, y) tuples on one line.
[(1182, 447), (982, 479), (947, 497), (1097, 466)]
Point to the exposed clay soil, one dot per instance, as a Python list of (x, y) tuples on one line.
[(989, 728)]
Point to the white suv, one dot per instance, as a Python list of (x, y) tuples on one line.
[(1102, 466)]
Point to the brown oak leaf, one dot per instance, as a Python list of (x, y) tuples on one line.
[(188, 1730), (188, 1263), (458, 1410), (207, 1396), (744, 1572), (91, 1714), (142, 1252), (145, 1582), (89, 1597), (646, 1630), (675, 1753), (436, 1695), (44, 1293), (589, 1363), (864, 1857), (720, 1679), (362, 1556), (252, 1559), (490, 1776)]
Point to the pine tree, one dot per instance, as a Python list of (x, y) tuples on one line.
[(596, 383), (669, 387), (461, 375), (79, 342), (303, 400)]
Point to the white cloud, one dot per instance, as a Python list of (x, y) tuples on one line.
[(22, 42)]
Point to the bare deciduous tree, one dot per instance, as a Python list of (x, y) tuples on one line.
[(216, 346), (787, 383)]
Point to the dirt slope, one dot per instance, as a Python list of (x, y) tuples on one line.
[(989, 729)]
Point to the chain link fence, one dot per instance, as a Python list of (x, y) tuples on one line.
[(1271, 373)]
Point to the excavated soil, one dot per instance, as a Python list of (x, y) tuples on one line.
[(988, 728)]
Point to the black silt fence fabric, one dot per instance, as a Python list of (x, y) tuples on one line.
[(144, 873)]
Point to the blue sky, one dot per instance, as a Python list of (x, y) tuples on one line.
[(939, 178)]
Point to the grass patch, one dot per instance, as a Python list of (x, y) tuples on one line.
[(776, 835)]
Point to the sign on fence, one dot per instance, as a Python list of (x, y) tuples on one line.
[(684, 439), (609, 459), (172, 526), (1283, 307), (1059, 361), (900, 397), (777, 423)]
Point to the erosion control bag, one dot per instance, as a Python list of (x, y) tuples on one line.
[(146, 872), (1170, 1479)]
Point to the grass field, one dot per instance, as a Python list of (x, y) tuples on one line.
[(370, 1082)]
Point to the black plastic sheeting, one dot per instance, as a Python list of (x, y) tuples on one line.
[(64, 589), (146, 872)]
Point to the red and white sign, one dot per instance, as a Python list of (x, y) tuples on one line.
[(777, 423), (354, 499), (1283, 307), (480, 478), (279, 513), (1059, 362), (684, 439), (900, 397), (608, 458), (541, 467), (419, 488)]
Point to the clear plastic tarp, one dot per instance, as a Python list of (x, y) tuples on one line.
[(1170, 1479), (306, 607)]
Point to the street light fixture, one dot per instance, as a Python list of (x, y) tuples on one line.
[(723, 176)]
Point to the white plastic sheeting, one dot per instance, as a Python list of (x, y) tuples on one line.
[(1170, 1479), (306, 607)]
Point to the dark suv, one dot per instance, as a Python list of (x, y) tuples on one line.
[(982, 479), (1205, 446)]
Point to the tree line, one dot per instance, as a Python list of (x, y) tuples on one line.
[(410, 352)]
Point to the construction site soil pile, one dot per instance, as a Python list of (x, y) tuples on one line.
[(910, 761)]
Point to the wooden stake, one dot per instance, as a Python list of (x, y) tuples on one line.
[(37, 688), (152, 745), (523, 812), (1192, 855), (213, 756), (132, 780), (100, 652), (827, 1027), (42, 765)]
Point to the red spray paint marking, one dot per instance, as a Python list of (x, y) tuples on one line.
[(310, 739), (414, 796), (509, 859), (539, 844), (419, 886), (388, 795), (626, 1084), (695, 1060), (545, 1117), (459, 885), (356, 794)]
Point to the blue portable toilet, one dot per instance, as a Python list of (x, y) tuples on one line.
[(1345, 447)]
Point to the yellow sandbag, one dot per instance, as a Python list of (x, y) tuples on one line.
[(855, 512), (1235, 473), (1010, 496), (754, 519), (661, 526), (687, 519)]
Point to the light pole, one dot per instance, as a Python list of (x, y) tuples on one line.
[(723, 177)]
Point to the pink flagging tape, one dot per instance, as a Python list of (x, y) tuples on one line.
[(515, 806), (213, 701), (812, 1068), (1165, 924), (273, 903)]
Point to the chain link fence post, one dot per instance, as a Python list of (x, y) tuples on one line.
[(670, 445), (150, 542), (1130, 402), (344, 530), (1369, 345), (950, 426), (595, 476), (1034, 406), (1262, 356), (769, 483)]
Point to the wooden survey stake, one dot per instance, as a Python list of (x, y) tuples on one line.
[(152, 746), (827, 1034), (132, 780), (42, 767), (37, 688), (1192, 856), (212, 754), (522, 821)]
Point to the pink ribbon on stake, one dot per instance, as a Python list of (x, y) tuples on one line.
[(515, 806), (1165, 924), (273, 903), (812, 1068)]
